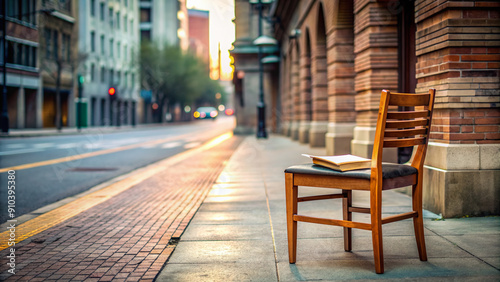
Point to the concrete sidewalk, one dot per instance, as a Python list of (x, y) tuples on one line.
[(239, 232)]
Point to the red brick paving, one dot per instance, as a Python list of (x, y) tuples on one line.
[(127, 237)]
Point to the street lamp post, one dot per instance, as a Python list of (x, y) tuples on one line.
[(261, 106), (260, 42)]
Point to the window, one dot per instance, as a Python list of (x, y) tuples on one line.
[(132, 27), (145, 15), (21, 54), (125, 21), (103, 74), (66, 50), (125, 79), (92, 41), (26, 55), (111, 77), (118, 77), (118, 49), (111, 49), (132, 82), (22, 10), (125, 52), (118, 20), (111, 17), (33, 57), (103, 51), (92, 8), (48, 43), (101, 11), (55, 36), (92, 72)]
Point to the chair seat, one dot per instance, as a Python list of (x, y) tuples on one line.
[(389, 170)]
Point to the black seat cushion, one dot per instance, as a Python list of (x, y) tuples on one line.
[(389, 170)]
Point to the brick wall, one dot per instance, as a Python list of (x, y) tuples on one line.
[(457, 48), (376, 61)]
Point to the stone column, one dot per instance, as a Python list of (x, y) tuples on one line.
[(459, 56), (342, 117), (295, 91), (305, 96), (376, 67)]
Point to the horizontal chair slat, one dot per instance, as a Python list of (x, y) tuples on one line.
[(360, 210), (320, 197), (336, 222), (405, 132), (406, 123), (407, 114), (409, 100), (408, 142), (398, 217)]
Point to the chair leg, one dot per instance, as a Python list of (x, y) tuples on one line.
[(376, 222), (418, 222), (347, 215), (291, 209)]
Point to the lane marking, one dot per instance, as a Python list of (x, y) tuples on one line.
[(65, 212), (15, 146), (171, 145), (191, 145), (43, 145), (91, 154), (20, 151)]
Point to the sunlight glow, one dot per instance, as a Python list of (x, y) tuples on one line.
[(221, 30)]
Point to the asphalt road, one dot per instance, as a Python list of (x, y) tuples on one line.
[(98, 157)]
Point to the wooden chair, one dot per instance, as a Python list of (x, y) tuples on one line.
[(395, 128)]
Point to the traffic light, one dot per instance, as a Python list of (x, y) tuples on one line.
[(112, 93)]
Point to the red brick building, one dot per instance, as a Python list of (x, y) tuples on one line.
[(199, 33), (337, 56)]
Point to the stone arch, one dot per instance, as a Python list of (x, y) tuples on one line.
[(295, 88), (319, 82), (305, 89)]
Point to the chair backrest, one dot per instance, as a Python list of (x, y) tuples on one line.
[(397, 127)]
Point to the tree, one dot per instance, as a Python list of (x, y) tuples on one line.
[(174, 76)]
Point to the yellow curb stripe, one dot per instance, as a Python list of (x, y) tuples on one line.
[(58, 215), (91, 154)]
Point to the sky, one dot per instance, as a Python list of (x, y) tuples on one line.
[(221, 30)]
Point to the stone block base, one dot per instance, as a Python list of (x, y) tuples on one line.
[(457, 193), (286, 128), (338, 138), (294, 130), (317, 133), (304, 127)]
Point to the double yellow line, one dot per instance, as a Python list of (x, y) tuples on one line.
[(65, 212)]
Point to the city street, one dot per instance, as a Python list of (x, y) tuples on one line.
[(52, 168)]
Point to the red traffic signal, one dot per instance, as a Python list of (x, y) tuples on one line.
[(111, 91)]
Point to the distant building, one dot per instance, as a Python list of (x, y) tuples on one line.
[(164, 22), (108, 47), (199, 34), (58, 57), (161, 22), (24, 92)]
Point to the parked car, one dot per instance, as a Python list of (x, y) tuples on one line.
[(205, 113)]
